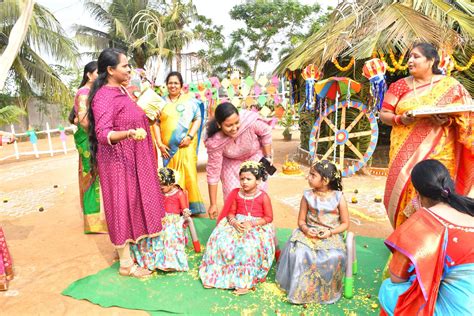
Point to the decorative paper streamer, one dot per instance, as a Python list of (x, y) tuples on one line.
[(215, 82), (262, 100), (249, 101), (245, 90), (193, 88), (236, 101), (275, 81), (249, 81), (230, 92), (257, 90), (262, 81), (225, 83), (374, 70)]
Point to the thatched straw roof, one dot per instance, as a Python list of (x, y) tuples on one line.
[(357, 28)]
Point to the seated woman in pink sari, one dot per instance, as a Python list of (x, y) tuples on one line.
[(445, 138), (432, 270), (6, 267), (233, 138)]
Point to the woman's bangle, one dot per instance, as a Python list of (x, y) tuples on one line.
[(450, 121), (397, 120), (128, 134), (254, 222)]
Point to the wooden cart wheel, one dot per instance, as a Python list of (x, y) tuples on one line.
[(343, 134)]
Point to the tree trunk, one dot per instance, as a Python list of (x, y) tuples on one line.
[(178, 61), (15, 40), (255, 68)]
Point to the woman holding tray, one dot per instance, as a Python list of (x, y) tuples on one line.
[(447, 138)]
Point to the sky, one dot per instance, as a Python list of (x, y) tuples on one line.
[(70, 12)]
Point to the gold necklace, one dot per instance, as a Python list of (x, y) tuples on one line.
[(414, 86), (245, 202)]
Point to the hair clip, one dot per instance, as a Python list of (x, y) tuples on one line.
[(251, 164), (445, 192)]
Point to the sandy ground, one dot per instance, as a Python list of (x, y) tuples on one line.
[(49, 248)]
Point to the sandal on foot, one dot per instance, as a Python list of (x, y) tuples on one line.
[(135, 271), (3, 283), (241, 291)]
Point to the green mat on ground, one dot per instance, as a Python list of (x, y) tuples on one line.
[(182, 293)]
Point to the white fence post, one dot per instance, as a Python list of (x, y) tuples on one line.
[(15, 144), (50, 143)]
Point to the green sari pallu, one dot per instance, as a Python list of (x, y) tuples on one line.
[(89, 188)]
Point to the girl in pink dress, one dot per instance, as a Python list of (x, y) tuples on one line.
[(122, 153), (240, 250), (166, 251)]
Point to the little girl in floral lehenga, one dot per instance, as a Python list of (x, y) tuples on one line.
[(313, 261), (166, 251), (241, 248)]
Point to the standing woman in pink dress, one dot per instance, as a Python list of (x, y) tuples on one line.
[(124, 159), (233, 138)]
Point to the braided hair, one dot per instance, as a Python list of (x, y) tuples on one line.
[(328, 170), (432, 180), (109, 57)]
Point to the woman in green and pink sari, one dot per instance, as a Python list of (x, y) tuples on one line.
[(89, 189)]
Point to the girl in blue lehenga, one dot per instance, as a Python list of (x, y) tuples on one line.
[(313, 261)]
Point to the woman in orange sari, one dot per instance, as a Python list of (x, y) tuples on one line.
[(432, 270), (445, 138)]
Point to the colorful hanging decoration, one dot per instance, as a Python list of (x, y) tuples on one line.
[(374, 70), (293, 91), (32, 135), (446, 64), (310, 74)]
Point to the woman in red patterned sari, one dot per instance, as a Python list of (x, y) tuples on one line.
[(448, 139)]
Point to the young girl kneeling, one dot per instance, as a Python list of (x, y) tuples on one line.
[(166, 251), (241, 248), (312, 263)]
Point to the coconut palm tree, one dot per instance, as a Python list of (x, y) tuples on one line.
[(142, 28), (115, 18), (177, 16), (228, 57), (10, 114), (30, 74)]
